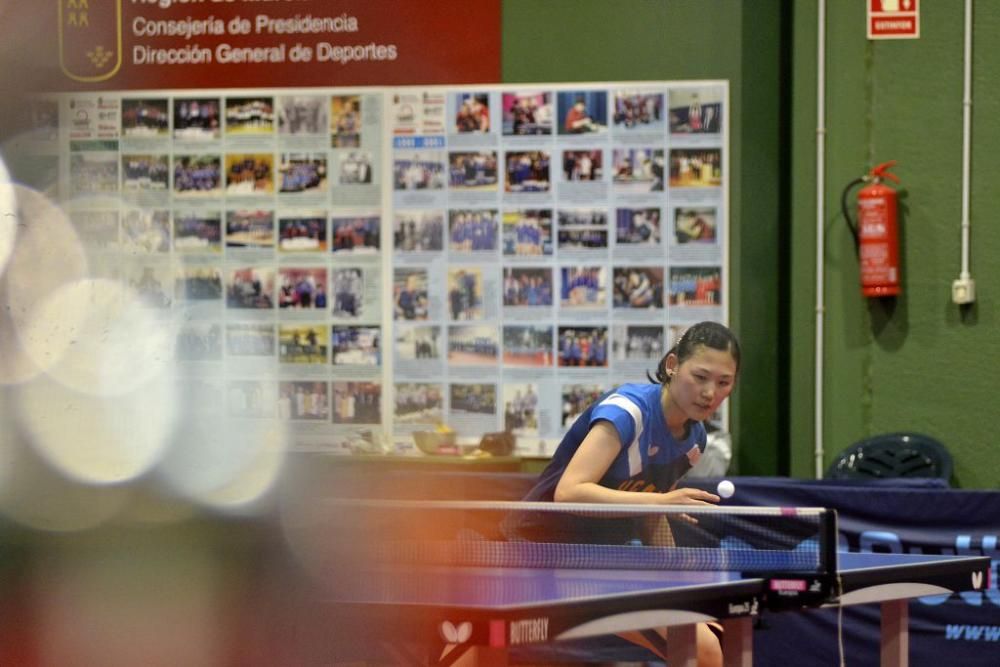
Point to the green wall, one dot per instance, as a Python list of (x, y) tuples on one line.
[(632, 40), (919, 363)]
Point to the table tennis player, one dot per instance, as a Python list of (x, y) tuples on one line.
[(634, 443)]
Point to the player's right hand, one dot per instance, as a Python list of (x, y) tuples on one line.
[(688, 496)]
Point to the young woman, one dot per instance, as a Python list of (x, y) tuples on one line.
[(634, 443)]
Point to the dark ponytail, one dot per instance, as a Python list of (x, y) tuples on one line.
[(709, 334)]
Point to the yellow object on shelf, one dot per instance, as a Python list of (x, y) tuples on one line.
[(434, 442)]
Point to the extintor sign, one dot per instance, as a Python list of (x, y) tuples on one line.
[(893, 19)]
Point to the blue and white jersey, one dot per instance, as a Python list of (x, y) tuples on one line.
[(650, 459)]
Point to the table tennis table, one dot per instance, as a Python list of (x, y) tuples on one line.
[(476, 615)]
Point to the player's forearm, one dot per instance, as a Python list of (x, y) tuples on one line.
[(590, 492)]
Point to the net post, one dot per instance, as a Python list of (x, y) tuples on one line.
[(828, 543)]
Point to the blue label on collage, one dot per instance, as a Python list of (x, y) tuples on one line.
[(418, 142)]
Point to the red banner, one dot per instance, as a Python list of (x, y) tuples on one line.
[(170, 44)]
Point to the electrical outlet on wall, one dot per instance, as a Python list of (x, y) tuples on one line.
[(963, 290)]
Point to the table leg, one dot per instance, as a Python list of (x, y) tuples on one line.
[(682, 645), (895, 633), (737, 642)]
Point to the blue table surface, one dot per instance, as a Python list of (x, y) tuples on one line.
[(492, 588)]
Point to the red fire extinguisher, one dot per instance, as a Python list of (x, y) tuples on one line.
[(877, 232)]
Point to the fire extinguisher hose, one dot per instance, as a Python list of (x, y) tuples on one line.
[(846, 210)]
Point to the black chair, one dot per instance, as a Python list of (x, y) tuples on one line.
[(893, 455)]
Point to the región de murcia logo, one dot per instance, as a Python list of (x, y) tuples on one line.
[(90, 38)]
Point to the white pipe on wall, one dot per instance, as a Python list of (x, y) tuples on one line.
[(820, 225), (966, 138)]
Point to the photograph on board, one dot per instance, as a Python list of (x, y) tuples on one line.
[(249, 174), (306, 400), (695, 167), (583, 111), (527, 232), (583, 229), (197, 176), (250, 287), (409, 291), (302, 232), (473, 230), (250, 229), (583, 346), (345, 121), (527, 287), (696, 110), (356, 345), (696, 224), (527, 171), (357, 402), (302, 343), (197, 231), (145, 173), (197, 118), (418, 402), (472, 114), (419, 231), (638, 111), (302, 115), (528, 345), (356, 233), (637, 226), (249, 116), (527, 113), (302, 288), (638, 287), (302, 173), (472, 170), (637, 170), (145, 118), (477, 398)]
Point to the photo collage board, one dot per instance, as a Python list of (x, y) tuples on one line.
[(549, 243), (361, 264)]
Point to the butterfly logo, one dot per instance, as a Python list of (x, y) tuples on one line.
[(456, 634)]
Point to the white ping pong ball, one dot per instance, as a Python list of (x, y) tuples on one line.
[(726, 488)]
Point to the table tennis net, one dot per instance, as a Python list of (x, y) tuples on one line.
[(579, 536)]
